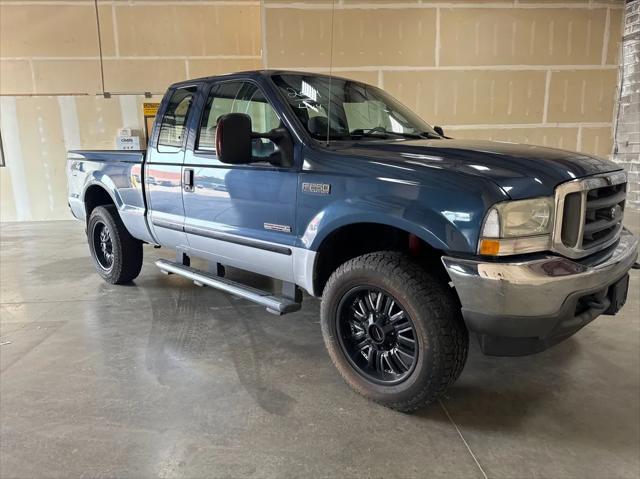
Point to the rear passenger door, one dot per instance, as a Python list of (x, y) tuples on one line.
[(163, 170), (241, 215)]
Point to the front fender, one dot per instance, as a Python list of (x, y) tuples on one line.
[(334, 217), (448, 220)]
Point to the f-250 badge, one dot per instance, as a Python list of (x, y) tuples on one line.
[(316, 188)]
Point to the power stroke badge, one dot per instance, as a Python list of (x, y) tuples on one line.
[(316, 188)]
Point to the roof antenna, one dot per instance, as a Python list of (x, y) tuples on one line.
[(333, 10)]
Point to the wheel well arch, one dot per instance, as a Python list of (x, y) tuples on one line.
[(356, 239), (94, 196)]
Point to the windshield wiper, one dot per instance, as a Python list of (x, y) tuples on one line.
[(380, 132)]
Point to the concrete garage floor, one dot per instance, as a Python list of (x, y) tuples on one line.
[(162, 378)]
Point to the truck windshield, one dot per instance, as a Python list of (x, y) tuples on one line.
[(357, 110)]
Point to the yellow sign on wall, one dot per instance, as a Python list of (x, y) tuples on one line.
[(150, 109)]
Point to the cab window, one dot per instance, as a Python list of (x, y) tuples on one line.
[(238, 97), (173, 128)]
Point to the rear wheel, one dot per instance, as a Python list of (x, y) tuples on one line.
[(116, 254), (393, 330)]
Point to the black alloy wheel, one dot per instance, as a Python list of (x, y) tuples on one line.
[(116, 254), (393, 329), (377, 335), (103, 245)]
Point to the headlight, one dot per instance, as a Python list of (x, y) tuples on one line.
[(515, 227)]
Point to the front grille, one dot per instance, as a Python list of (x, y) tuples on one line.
[(603, 215), (589, 214)]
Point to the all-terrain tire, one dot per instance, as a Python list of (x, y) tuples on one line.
[(440, 333), (124, 260)]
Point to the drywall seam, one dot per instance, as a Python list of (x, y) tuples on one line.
[(263, 34), (606, 35), (387, 6), (404, 68), (437, 52), (132, 57), (529, 125), (114, 27), (69, 122), (547, 87)]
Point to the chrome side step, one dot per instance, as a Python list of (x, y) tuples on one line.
[(274, 304)]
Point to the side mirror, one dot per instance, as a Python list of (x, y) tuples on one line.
[(234, 141), (233, 138), (439, 131), (282, 139)]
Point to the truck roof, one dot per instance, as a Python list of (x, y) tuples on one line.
[(253, 74)]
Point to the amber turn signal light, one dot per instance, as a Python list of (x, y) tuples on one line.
[(490, 247)]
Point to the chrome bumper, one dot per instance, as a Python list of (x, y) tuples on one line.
[(530, 298)]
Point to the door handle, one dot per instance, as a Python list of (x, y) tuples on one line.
[(187, 179)]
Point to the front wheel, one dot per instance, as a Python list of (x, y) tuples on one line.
[(116, 254), (393, 330)]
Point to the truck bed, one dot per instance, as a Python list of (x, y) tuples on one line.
[(123, 173)]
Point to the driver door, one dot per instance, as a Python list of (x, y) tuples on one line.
[(241, 215)]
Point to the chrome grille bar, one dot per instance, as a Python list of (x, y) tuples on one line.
[(589, 214)]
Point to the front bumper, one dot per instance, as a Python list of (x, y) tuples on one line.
[(524, 307)]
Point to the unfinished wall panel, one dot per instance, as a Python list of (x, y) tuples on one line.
[(66, 76), (614, 40), (43, 156), (597, 140), (55, 30), (140, 75), (582, 95), (565, 138), (187, 30), (7, 200), (99, 117), (484, 97), (361, 37), (545, 66), (15, 77), (294, 37), (522, 36), (207, 67), (50, 47), (384, 37)]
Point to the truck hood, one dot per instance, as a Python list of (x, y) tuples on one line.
[(522, 171)]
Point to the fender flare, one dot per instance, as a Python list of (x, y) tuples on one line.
[(106, 183)]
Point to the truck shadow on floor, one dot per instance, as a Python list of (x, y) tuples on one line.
[(504, 391), (544, 395), (235, 346), (203, 329)]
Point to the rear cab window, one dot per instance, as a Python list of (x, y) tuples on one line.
[(173, 128)]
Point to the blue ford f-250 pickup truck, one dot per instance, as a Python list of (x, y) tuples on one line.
[(411, 239)]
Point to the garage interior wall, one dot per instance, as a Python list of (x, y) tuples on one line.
[(50, 49), (542, 72)]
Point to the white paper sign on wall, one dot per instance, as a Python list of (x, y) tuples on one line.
[(127, 143)]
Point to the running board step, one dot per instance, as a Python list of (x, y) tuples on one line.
[(274, 304)]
